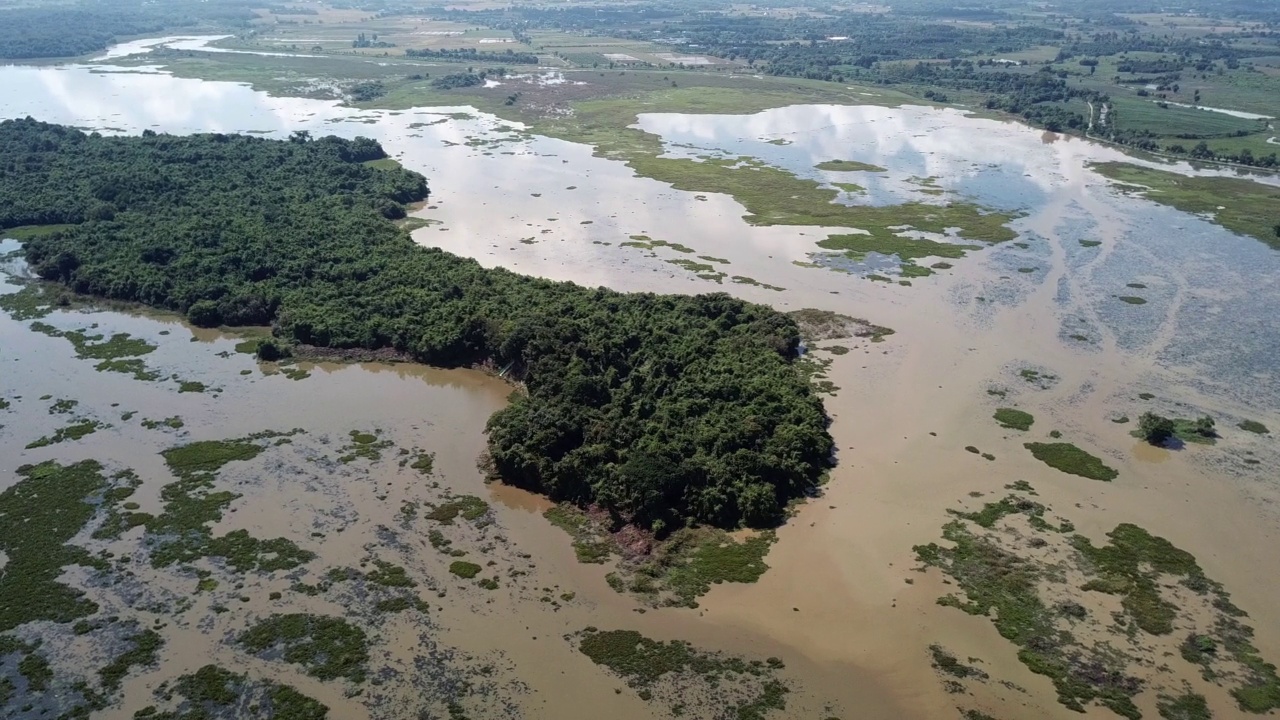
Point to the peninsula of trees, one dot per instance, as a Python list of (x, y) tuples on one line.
[(665, 409)]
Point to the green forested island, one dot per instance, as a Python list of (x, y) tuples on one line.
[(665, 409)]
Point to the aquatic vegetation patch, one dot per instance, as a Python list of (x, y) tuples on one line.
[(686, 565), (1014, 419), (63, 407), (364, 446), (587, 542), (743, 280), (948, 664), (181, 533), (1013, 504), (33, 301), (691, 266), (1039, 378), (816, 325), (849, 166), (72, 432), (327, 647), (120, 515), (1240, 205), (120, 353), (1035, 601), (424, 462), (1254, 426), (468, 507), (675, 673), (143, 653), (389, 575), (645, 242), (173, 423), (60, 500), (1188, 706), (1072, 460), (215, 693), (906, 248), (464, 569), (671, 571)]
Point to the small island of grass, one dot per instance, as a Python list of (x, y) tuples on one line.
[(1014, 419), (849, 166), (1072, 460), (1254, 426)]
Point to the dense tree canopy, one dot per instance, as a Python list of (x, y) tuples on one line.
[(659, 407), (87, 27)]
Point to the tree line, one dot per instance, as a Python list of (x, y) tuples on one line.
[(667, 410), (83, 28)]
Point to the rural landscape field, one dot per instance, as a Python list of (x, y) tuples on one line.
[(639, 359)]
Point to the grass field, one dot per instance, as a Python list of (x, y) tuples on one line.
[(1137, 113)]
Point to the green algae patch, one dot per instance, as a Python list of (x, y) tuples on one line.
[(1239, 205), (59, 500), (1012, 419), (328, 648), (849, 166), (464, 569), (1072, 460)]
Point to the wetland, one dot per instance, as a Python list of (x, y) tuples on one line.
[(312, 536)]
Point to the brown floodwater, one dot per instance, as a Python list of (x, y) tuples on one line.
[(836, 604)]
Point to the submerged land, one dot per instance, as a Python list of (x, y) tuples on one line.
[(639, 360)]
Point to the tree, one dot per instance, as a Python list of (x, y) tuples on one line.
[(1204, 427), (1155, 429)]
